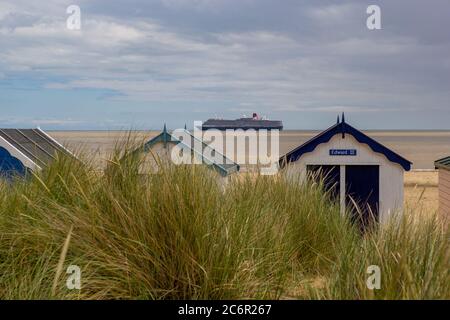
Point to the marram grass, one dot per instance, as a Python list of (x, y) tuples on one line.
[(180, 234)]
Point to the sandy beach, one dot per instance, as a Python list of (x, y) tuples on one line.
[(420, 147)]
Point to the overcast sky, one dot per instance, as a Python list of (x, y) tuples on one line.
[(140, 63)]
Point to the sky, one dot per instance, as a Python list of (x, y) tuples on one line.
[(138, 64)]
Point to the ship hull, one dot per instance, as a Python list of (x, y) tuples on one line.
[(244, 124)]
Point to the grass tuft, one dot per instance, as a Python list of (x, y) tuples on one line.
[(180, 234)]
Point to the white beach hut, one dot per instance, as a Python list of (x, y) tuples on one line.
[(364, 176), (161, 147)]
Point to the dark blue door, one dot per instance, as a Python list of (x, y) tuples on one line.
[(362, 193), (10, 166)]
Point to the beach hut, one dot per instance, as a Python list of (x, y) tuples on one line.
[(443, 165), (362, 175), (160, 148), (23, 150)]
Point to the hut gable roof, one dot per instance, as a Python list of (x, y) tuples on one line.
[(343, 128), (443, 163), (34, 144), (225, 167)]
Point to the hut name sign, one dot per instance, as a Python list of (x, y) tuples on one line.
[(343, 152)]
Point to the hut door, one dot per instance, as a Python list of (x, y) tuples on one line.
[(331, 178), (362, 193)]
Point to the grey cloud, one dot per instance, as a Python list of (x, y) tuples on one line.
[(290, 56)]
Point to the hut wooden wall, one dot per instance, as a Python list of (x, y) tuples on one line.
[(444, 192)]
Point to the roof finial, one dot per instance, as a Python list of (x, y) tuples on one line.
[(185, 127), (164, 134), (343, 117), (337, 119)]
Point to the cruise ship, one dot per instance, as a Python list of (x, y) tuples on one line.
[(255, 122)]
